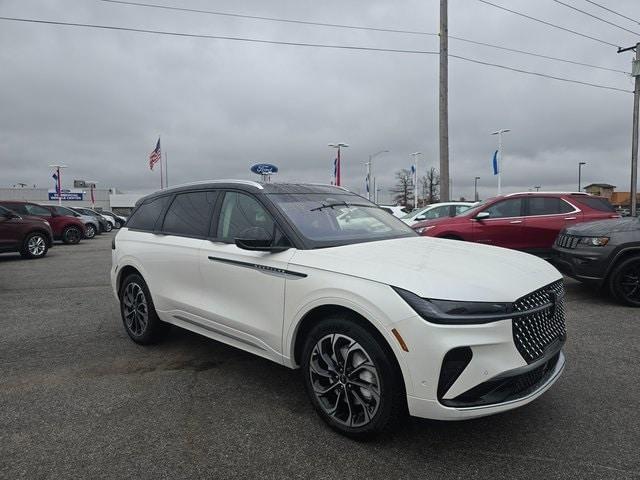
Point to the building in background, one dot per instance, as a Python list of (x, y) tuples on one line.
[(600, 189)]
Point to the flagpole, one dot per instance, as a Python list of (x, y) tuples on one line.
[(166, 169), (161, 174), (499, 157)]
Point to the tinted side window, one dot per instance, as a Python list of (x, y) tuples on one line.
[(190, 213), (600, 204), (240, 212), (548, 206), (146, 215), (19, 208), (506, 208), (37, 210)]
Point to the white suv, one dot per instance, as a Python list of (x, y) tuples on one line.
[(381, 321)]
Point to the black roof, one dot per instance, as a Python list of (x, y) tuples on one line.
[(250, 186)]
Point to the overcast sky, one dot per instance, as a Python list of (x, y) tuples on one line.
[(97, 100)]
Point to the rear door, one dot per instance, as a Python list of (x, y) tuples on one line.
[(244, 290), (10, 230), (504, 227), (544, 218)]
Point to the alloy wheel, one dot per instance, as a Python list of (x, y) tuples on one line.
[(36, 246), (90, 231), (136, 310), (345, 380)]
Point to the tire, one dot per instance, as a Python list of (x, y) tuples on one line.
[(139, 316), (346, 401), (108, 227), (90, 231), (118, 224), (71, 235), (35, 245), (624, 281)]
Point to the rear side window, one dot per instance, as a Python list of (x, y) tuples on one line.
[(548, 206), (600, 204), (189, 214), (147, 214), (19, 208)]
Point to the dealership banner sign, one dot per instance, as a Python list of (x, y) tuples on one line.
[(67, 194)]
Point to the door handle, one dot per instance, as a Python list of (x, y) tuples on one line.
[(569, 218), (516, 221)]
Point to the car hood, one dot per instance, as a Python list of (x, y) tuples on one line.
[(437, 268), (604, 227)]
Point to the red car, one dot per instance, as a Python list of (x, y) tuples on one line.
[(66, 228), (31, 236), (523, 221)]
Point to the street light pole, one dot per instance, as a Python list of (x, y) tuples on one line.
[(475, 188), (370, 177), (415, 156), (337, 160), (59, 181), (499, 157), (580, 164)]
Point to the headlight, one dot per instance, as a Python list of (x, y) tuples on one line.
[(424, 229), (453, 312), (593, 241)]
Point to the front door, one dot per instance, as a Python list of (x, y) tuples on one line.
[(244, 290), (503, 227)]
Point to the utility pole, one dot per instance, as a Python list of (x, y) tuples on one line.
[(444, 102), (635, 72), (370, 175), (475, 188)]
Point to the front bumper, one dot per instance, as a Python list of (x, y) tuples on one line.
[(588, 264), (490, 380)]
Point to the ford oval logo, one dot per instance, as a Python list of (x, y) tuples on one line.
[(264, 169)]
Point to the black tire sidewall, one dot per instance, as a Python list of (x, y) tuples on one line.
[(392, 396), (65, 232), (155, 327), (615, 279)]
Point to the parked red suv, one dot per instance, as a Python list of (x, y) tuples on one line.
[(66, 228), (523, 221), (31, 236)]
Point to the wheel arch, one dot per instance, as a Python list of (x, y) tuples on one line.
[(124, 272), (44, 232), (621, 256)]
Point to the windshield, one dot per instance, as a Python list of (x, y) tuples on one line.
[(336, 219)]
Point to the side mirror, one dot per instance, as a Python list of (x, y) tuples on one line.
[(257, 239), (482, 216), (420, 218)]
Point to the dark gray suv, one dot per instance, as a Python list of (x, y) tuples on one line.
[(605, 253)]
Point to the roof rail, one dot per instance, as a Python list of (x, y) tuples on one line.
[(547, 193), (223, 180)]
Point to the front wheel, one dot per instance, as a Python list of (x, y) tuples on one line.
[(138, 313), (351, 379), (108, 227), (624, 281), (35, 245), (90, 231)]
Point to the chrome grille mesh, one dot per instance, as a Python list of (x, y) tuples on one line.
[(533, 333)]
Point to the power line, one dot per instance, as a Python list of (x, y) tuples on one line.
[(270, 19), (612, 11), (216, 37), (298, 44), (595, 16), (544, 22), (528, 72), (558, 59), (354, 27)]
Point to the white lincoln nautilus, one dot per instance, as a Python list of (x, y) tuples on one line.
[(381, 322)]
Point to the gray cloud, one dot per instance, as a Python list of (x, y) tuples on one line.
[(97, 100)]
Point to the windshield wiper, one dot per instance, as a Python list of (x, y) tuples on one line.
[(340, 204)]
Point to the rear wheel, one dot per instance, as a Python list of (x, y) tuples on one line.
[(90, 231), (624, 281), (138, 313), (35, 245), (118, 224), (351, 380), (107, 227), (71, 235)]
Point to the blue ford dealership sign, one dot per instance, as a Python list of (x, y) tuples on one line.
[(264, 169)]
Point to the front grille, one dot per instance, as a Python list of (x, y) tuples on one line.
[(567, 241), (534, 333)]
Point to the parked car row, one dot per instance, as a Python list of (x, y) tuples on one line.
[(31, 229)]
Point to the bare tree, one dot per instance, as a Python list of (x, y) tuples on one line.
[(403, 191), (431, 186)]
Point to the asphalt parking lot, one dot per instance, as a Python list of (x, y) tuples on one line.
[(78, 399)]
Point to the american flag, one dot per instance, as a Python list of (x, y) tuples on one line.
[(155, 156)]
